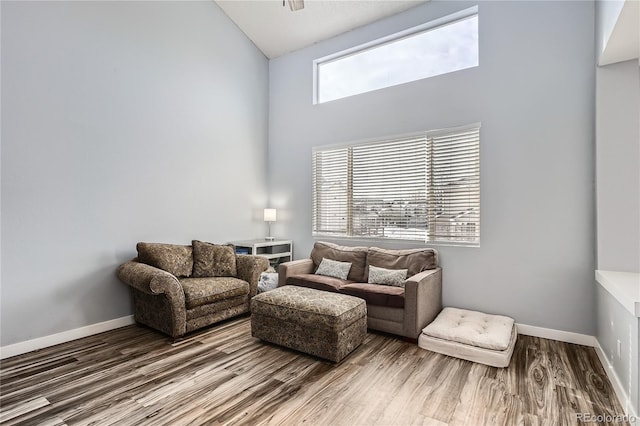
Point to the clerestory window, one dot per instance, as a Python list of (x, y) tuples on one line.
[(438, 47)]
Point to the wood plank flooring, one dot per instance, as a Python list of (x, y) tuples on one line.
[(222, 375)]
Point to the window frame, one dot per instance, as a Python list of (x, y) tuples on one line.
[(428, 26), (430, 189)]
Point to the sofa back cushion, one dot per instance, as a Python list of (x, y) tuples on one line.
[(213, 260), (174, 259), (357, 256), (413, 260)]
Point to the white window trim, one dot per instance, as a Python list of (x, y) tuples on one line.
[(449, 19)]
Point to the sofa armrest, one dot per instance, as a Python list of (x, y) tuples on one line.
[(295, 267), (422, 300), (249, 269)]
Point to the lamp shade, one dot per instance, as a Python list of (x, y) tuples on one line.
[(270, 215)]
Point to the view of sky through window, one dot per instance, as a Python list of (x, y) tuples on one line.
[(439, 50)]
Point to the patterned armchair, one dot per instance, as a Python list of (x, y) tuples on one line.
[(178, 289)]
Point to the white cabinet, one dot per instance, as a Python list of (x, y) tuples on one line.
[(276, 251)]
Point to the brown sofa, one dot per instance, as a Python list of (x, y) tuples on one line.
[(403, 309), (178, 289)]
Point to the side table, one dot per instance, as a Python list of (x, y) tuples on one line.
[(277, 251)]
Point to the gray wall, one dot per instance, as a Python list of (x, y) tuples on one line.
[(618, 166), (121, 122), (618, 211), (534, 94)]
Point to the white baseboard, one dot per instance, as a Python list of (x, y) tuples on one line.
[(621, 393), (65, 336), (562, 336)]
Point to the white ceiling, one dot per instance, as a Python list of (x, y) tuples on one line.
[(277, 30), (624, 42)]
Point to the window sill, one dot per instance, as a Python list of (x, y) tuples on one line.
[(368, 241), (624, 287)]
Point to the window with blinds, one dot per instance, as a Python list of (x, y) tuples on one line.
[(424, 187)]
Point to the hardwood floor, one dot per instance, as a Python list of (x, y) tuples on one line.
[(222, 375)]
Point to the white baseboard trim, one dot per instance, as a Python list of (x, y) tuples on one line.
[(562, 336), (621, 393), (65, 336)]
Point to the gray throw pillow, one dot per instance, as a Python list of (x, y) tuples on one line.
[(333, 268), (394, 277)]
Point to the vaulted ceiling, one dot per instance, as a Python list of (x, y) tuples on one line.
[(624, 41), (277, 30)]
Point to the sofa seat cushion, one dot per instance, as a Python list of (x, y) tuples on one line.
[(201, 291), (376, 294), (357, 256), (319, 282)]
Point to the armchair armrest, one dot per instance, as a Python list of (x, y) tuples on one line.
[(151, 280), (295, 267), (422, 299), (154, 281), (249, 269)]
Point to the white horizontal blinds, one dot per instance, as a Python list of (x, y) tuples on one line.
[(422, 187), (330, 191), (454, 179), (389, 197)]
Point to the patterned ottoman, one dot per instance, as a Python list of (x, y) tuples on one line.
[(320, 323), (474, 336)]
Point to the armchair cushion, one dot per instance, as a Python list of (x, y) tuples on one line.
[(357, 256), (203, 291), (175, 259), (213, 260)]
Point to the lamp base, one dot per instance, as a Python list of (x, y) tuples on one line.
[(269, 238)]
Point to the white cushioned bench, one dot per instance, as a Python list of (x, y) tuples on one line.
[(474, 336)]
